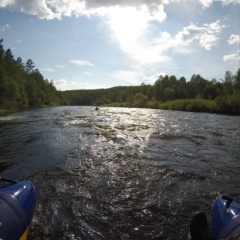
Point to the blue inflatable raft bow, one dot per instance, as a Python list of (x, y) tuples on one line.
[(225, 217), (225, 221), (17, 204)]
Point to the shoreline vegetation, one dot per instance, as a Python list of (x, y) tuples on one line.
[(190, 105), (22, 87)]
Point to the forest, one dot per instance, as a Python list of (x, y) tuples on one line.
[(170, 93), (22, 86)]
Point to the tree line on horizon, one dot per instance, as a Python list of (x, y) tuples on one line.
[(22, 86), (168, 92)]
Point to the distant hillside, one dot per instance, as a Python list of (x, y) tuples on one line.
[(168, 92)]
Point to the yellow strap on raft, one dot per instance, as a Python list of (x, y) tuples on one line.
[(24, 235)]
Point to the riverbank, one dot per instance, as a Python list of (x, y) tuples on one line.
[(190, 105), (4, 112), (220, 106), (227, 106)]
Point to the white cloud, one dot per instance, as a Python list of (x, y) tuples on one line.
[(68, 8), (50, 9), (152, 79), (190, 33), (60, 84), (108, 3), (130, 28), (39, 8), (129, 21), (153, 8), (5, 3), (64, 84), (214, 27), (81, 63), (231, 57), (128, 24), (60, 66), (206, 35), (48, 70), (207, 3), (208, 40), (227, 2), (130, 77), (4, 28), (234, 39), (88, 73)]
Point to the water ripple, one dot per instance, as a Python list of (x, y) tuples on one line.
[(120, 173)]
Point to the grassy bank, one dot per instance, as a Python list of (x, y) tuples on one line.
[(222, 106), (4, 112), (191, 105), (227, 105)]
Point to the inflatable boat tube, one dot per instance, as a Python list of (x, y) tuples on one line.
[(17, 204), (225, 217)]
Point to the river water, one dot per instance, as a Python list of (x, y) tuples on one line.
[(120, 173)]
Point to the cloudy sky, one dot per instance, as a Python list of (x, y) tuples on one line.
[(104, 43)]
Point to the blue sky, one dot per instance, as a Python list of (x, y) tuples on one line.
[(100, 44)]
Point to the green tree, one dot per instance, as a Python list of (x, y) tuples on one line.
[(237, 82), (172, 81), (32, 93), (210, 92), (21, 86), (8, 62), (29, 66), (169, 93), (181, 88), (228, 83), (158, 89), (1, 50), (19, 63), (140, 100)]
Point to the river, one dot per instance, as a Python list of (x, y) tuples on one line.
[(120, 173)]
